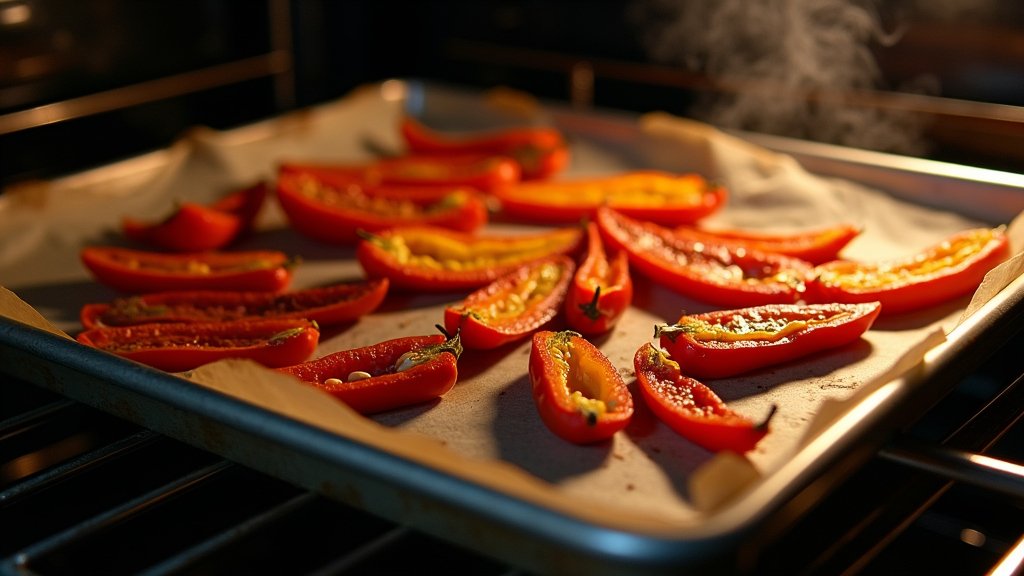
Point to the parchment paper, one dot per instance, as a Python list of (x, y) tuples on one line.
[(487, 427)]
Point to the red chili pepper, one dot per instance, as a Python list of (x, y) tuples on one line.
[(195, 227), (540, 151), (335, 213), (388, 375), (729, 342), (578, 392), (473, 170), (180, 347), (139, 271), (691, 408), (326, 306), (601, 290), (513, 306), (432, 259), (952, 268), (815, 246), (720, 274), (660, 197)]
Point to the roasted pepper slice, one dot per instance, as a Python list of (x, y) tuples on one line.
[(578, 392), (140, 271), (432, 259), (601, 290), (328, 305), (195, 227), (730, 342), (540, 151), (691, 408), (476, 171), (180, 347), (387, 375), (334, 211), (661, 197), (513, 306), (815, 246), (952, 268), (720, 274)]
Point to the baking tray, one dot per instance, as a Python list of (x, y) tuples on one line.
[(478, 467)]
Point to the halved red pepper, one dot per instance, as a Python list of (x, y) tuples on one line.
[(661, 197), (730, 342), (327, 306), (473, 170), (387, 375), (432, 259), (513, 306), (140, 271), (691, 408), (540, 151), (195, 227), (335, 212), (721, 274), (815, 246), (579, 394), (952, 268), (601, 290), (180, 347)]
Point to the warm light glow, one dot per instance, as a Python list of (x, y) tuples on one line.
[(14, 15), (995, 464), (972, 537), (1011, 563), (392, 90)]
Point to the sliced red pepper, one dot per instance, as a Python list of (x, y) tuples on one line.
[(180, 347), (473, 170), (540, 151), (513, 306), (388, 375), (661, 197), (432, 259), (579, 394), (601, 290), (334, 214), (815, 246), (730, 342), (195, 227), (326, 306), (691, 408), (952, 268), (140, 271), (721, 274)]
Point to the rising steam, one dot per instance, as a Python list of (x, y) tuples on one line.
[(800, 68)]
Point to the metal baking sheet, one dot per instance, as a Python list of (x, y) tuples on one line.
[(478, 467)]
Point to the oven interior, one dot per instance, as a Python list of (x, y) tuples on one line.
[(84, 84)]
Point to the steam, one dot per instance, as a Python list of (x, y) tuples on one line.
[(800, 68)]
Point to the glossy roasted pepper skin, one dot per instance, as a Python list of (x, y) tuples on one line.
[(690, 408), (950, 269), (730, 342), (579, 393), (601, 290), (432, 259), (661, 197), (184, 346), (335, 210), (327, 305), (141, 271), (514, 305), (482, 172), (815, 246), (540, 151), (719, 274), (196, 227), (388, 375)]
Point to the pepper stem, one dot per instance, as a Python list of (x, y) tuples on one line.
[(590, 309)]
